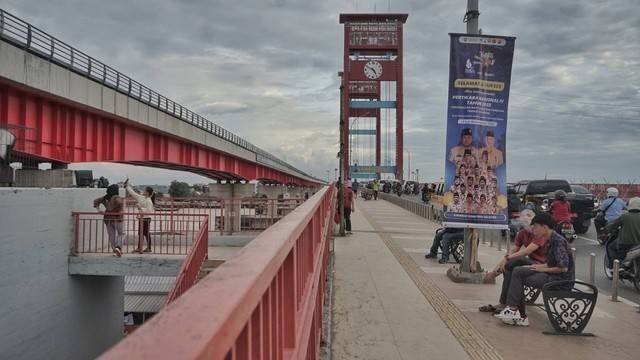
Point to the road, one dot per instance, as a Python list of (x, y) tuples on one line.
[(585, 245)]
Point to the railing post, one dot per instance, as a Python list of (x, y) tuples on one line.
[(1, 22), (140, 232), (28, 36), (76, 231)]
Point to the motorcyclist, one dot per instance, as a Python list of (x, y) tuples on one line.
[(425, 193), (629, 235), (610, 209), (560, 207)]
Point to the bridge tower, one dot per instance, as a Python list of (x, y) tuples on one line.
[(372, 95)]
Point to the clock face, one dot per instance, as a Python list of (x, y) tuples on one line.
[(373, 69)]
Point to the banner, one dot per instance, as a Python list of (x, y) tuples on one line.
[(476, 171)]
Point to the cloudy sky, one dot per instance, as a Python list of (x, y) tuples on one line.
[(267, 70)]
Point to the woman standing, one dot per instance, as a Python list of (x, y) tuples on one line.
[(113, 217), (145, 204)]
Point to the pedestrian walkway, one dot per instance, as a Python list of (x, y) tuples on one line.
[(392, 303)]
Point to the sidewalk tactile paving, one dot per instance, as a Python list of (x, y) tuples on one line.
[(476, 346)]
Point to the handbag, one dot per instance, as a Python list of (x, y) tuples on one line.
[(600, 217)]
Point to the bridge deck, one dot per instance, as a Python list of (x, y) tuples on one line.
[(392, 303), (106, 264)]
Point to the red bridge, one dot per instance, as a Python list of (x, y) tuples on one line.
[(63, 106)]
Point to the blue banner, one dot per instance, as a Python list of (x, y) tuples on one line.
[(475, 171)]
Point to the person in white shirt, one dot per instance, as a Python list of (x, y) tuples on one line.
[(145, 204)]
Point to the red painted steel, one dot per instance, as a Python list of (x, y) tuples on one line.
[(266, 303), (392, 71), (191, 266), (66, 132)]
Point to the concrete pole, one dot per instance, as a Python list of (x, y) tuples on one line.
[(592, 268), (615, 281)]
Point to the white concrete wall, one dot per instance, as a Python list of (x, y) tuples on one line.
[(44, 312)]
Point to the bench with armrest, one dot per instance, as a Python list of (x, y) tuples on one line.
[(569, 305)]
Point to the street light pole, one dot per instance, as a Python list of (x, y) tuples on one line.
[(469, 263), (341, 157)]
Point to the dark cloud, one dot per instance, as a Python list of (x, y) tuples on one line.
[(268, 71)]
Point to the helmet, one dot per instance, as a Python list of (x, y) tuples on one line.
[(560, 195), (612, 192), (634, 204)]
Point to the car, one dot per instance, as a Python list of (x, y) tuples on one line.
[(541, 192)]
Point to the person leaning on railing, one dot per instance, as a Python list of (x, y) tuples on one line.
[(145, 203), (113, 217)]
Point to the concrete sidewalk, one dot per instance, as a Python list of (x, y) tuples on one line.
[(392, 303)]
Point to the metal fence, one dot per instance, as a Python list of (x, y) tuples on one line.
[(170, 234), (38, 42), (434, 212), (190, 268), (227, 216), (265, 303)]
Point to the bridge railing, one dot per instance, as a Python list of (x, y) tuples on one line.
[(171, 234), (228, 216), (38, 42), (266, 302), (191, 266)]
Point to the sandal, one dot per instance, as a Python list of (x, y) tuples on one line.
[(488, 308)]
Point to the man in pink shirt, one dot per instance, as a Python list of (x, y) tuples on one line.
[(348, 207)]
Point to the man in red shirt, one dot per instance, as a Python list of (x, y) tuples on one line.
[(348, 207), (526, 250)]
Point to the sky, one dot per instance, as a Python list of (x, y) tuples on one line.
[(267, 70)]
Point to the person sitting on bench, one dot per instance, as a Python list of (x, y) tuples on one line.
[(526, 250), (445, 236), (559, 266)]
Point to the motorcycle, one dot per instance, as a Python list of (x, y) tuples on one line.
[(629, 269), (565, 228), (425, 194), (386, 188)]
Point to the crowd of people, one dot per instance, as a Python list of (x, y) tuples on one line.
[(475, 187), (541, 255)]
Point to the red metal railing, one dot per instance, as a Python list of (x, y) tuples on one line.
[(170, 233), (191, 266), (229, 215), (264, 303)]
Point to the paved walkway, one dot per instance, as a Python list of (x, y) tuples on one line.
[(392, 303)]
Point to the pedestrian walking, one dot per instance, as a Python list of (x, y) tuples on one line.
[(376, 187), (354, 187), (145, 204), (348, 207), (113, 217)]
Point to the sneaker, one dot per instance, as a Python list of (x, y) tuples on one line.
[(431, 256), (443, 261), (147, 250), (517, 322), (118, 252), (508, 314)]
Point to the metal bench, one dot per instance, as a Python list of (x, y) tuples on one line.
[(569, 305)]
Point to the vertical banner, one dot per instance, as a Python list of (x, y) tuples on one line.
[(475, 171)]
